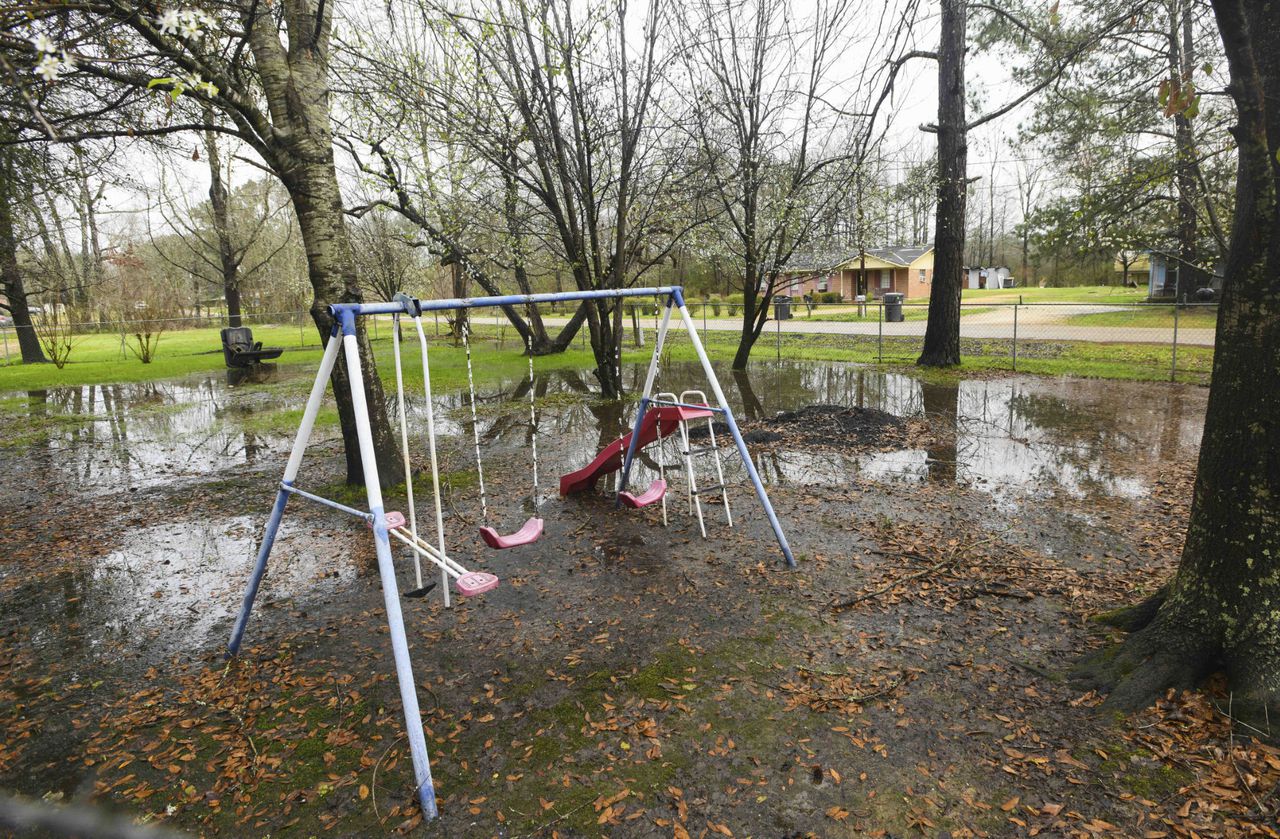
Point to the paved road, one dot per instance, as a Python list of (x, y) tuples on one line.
[(1035, 323)]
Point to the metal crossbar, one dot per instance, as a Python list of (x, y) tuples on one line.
[(343, 339)]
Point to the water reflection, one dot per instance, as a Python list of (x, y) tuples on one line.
[(171, 584), (104, 438), (1011, 436)]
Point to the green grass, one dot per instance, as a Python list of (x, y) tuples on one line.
[(1074, 294), (96, 359), (1197, 317), (1138, 362)]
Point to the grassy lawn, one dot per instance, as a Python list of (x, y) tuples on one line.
[(1137, 362), (96, 358), (1195, 317), (1075, 294)]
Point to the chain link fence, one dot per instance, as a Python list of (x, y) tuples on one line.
[(1155, 340)]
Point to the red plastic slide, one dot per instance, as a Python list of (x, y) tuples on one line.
[(610, 460)]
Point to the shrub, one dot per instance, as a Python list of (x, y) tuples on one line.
[(827, 297)]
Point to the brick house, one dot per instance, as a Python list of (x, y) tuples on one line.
[(905, 270)]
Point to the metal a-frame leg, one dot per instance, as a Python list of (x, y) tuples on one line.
[(387, 571), (692, 329), (282, 494)]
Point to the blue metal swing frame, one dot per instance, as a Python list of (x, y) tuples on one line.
[(343, 337)]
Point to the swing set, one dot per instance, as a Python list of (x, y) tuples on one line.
[(660, 419)]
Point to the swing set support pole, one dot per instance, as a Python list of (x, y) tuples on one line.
[(733, 430), (625, 475), (282, 495), (387, 571)]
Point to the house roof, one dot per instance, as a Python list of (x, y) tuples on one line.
[(899, 254), (817, 261)]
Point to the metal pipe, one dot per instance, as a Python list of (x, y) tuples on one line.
[(649, 378), (387, 571), (737, 435), (431, 447), (404, 442), (282, 496), (328, 502)]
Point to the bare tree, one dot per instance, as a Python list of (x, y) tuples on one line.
[(263, 68), (777, 151), (580, 86)]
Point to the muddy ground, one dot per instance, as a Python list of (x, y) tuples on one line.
[(910, 677)]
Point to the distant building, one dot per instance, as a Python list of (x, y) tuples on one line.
[(902, 269), (1165, 275), (977, 276)]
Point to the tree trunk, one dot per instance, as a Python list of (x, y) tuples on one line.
[(1219, 612), (10, 274), (942, 333), (317, 201), (1181, 58), (222, 226)]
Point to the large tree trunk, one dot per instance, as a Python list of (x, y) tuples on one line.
[(10, 273), (330, 266), (942, 333), (295, 81), (222, 226), (1182, 58), (1220, 610)]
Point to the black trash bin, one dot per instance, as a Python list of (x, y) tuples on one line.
[(782, 307), (893, 307)]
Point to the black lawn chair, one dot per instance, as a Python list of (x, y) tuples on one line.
[(239, 350)]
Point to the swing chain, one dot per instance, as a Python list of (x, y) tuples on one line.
[(475, 421), (533, 421)]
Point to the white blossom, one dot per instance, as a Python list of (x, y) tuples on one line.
[(169, 22), (48, 67), (43, 44)]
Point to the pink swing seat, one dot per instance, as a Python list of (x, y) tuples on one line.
[(526, 535), (395, 521), (654, 493), (475, 582)]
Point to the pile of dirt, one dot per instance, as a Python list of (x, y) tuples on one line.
[(827, 426)]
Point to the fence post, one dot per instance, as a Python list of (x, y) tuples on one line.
[(777, 332), (1015, 337), (880, 333), (1173, 366)]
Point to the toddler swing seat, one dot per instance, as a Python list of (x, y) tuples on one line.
[(526, 535), (655, 493)]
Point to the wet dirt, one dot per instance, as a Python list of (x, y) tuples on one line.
[(625, 678)]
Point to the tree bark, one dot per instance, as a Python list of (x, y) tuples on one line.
[(10, 273), (331, 269), (296, 86), (942, 332), (1219, 612), (1181, 59), (222, 227)]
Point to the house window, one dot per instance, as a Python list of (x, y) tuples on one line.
[(823, 282), (886, 278), (923, 278)]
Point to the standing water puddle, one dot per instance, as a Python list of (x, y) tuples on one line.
[(177, 582)]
